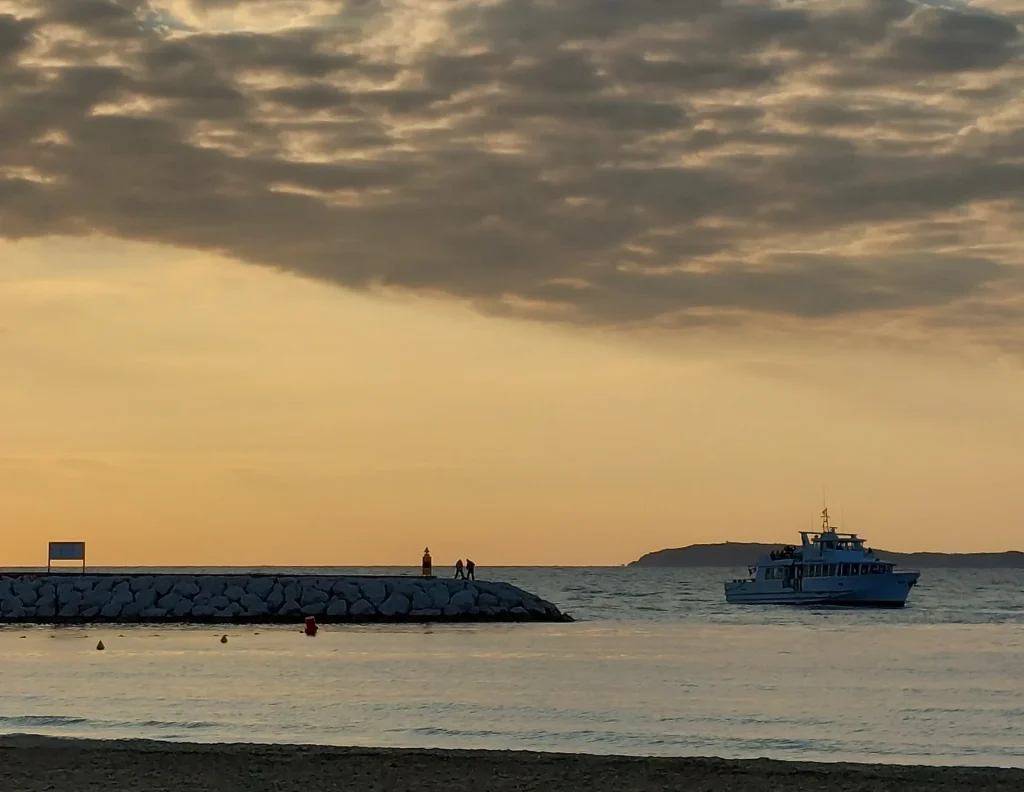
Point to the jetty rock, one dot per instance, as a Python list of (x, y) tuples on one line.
[(74, 598)]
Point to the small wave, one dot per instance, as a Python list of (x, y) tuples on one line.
[(41, 721), (78, 724)]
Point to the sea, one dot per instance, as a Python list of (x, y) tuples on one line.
[(656, 663)]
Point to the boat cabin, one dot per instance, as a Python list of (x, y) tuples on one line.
[(827, 553)]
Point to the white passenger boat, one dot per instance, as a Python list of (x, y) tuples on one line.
[(829, 568)]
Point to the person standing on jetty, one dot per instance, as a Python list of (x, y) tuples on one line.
[(470, 570), (458, 570)]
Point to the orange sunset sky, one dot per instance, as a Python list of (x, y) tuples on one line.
[(542, 283)]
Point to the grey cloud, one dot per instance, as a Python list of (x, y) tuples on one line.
[(15, 36), (587, 160), (694, 75), (940, 39)]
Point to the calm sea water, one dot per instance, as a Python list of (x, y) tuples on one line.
[(656, 664)]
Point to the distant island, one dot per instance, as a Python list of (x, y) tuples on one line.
[(742, 554)]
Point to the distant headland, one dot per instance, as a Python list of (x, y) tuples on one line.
[(741, 554)]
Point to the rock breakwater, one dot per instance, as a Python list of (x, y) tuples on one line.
[(263, 599)]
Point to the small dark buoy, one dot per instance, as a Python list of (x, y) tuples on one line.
[(100, 647), (223, 639)]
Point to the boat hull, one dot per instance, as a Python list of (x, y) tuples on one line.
[(889, 591)]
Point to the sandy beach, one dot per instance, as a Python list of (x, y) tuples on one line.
[(40, 764)]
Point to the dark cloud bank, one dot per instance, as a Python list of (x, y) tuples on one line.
[(590, 161)]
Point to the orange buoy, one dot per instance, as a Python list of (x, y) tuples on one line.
[(311, 626)]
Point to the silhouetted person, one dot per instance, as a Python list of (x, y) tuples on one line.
[(458, 570), (470, 570)]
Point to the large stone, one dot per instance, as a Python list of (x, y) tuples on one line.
[(145, 599), (421, 600), (84, 584), (462, 601), (251, 601), (338, 607), (169, 601), (260, 587), (12, 608), (211, 587), (374, 591), (439, 595), (153, 613), (426, 613), (276, 597), (395, 605), (362, 608), (96, 599), (234, 593), (203, 611), (122, 594), (69, 611), (46, 609), (408, 587), (253, 606), (27, 594), (89, 613), (231, 611), (111, 610), (6, 589), (486, 600), (292, 591), (349, 591), (312, 595), (104, 585), (314, 609), (186, 588), (183, 607), (143, 583), (130, 611), (220, 602), (163, 584), (290, 608), (66, 592)]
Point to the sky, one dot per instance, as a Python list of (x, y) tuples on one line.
[(302, 282)]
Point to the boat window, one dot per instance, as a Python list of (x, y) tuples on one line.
[(865, 569), (844, 570), (854, 569)]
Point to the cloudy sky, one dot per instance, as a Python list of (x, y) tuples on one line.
[(541, 281)]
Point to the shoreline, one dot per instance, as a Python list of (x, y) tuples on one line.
[(32, 763)]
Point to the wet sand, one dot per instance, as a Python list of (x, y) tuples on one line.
[(40, 764)]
